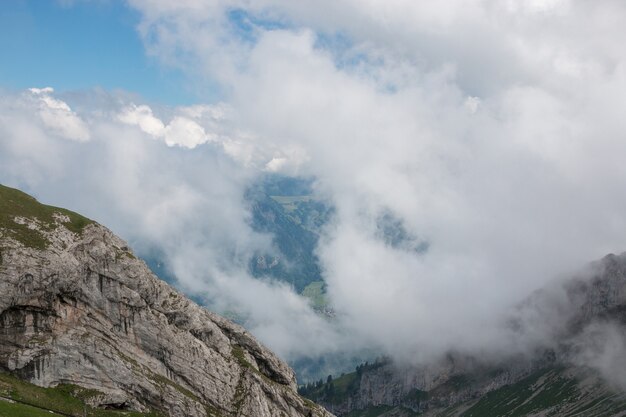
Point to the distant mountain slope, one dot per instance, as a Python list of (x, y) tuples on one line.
[(77, 307), (295, 262), (285, 208), (548, 391), (580, 373)]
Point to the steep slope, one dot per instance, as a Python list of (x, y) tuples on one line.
[(77, 307), (579, 370), (553, 390)]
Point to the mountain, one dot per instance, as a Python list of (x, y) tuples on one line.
[(294, 261), (285, 208), (80, 314), (578, 370)]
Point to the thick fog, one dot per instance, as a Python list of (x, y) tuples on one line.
[(492, 130)]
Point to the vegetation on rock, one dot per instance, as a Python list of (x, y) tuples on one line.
[(40, 218)]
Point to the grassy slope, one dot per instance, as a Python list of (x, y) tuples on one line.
[(14, 203), (549, 392), (8, 409), (64, 399), (335, 392)]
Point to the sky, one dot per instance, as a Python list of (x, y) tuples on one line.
[(82, 45), (493, 130)]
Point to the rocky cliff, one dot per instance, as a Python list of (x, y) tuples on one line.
[(575, 365), (77, 307)]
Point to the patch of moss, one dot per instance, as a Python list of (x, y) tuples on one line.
[(212, 411), (237, 352), (309, 403), (128, 359), (161, 380), (15, 203), (239, 355), (119, 254), (240, 395)]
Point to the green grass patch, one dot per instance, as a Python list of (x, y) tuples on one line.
[(239, 355), (65, 398), (316, 294), (212, 411), (161, 380), (14, 203), (542, 390), (8, 409), (336, 391)]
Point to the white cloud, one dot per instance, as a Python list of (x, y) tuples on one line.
[(188, 205), (478, 124), (142, 116), (184, 132), (38, 91), (180, 131), (276, 164), (58, 116), (472, 104), (493, 132)]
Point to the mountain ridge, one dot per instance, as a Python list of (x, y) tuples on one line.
[(82, 309)]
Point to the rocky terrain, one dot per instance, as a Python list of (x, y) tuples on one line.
[(78, 309), (577, 369)]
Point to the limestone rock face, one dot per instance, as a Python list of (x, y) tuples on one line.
[(83, 310)]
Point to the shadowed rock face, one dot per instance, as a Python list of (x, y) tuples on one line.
[(603, 295), (83, 310)]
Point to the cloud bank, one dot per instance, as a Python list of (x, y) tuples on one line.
[(491, 130)]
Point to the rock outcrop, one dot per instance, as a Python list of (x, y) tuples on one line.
[(77, 307)]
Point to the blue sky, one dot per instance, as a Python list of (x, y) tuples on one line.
[(86, 45)]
